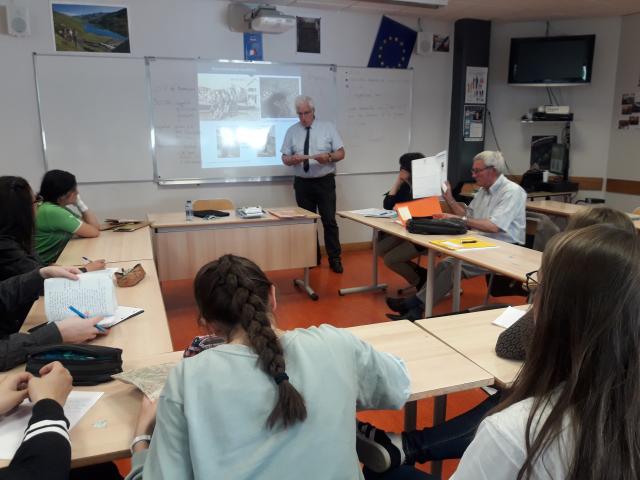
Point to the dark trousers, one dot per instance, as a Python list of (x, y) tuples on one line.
[(319, 195), (448, 439)]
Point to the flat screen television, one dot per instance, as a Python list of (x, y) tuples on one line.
[(551, 61)]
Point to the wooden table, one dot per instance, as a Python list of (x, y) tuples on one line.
[(110, 245), (435, 368), (474, 336), (561, 209), (507, 259), (533, 195), (182, 246)]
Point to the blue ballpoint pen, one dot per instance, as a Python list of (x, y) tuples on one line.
[(82, 315)]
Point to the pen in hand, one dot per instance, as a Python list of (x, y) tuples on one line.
[(82, 315), (86, 260)]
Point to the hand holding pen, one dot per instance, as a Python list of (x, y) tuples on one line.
[(94, 320), (93, 265)]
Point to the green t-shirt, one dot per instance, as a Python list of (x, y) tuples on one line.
[(55, 225)]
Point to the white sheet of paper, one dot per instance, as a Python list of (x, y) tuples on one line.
[(375, 212), (92, 293), (509, 317), (122, 313), (12, 426), (404, 213), (428, 174)]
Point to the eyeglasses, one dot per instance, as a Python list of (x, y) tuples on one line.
[(531, 282), (37, 199), (475, 171), (305, 113)]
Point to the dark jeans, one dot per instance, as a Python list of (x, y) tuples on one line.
[(449, 439), (319, 195)]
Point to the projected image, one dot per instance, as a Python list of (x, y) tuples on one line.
[(277, 96), (228, 97), (244, 118)]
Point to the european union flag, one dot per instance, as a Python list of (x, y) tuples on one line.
[(393, 46)]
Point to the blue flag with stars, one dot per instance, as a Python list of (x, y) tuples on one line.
[(393, 46)]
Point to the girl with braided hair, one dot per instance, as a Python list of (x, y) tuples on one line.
[(266, 404)]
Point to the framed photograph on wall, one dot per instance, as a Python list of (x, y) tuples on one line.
[(90, 28)]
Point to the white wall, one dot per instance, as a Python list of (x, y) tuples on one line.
[(624, 151), (192, 28), (591, 104)]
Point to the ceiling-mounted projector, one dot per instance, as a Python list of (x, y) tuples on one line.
[(264, 18)]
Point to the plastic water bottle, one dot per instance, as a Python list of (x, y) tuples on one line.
[(188, 210)]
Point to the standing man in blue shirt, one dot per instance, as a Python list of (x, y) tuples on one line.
[(311, 148)]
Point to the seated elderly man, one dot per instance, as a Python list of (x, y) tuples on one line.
[(497, 210)]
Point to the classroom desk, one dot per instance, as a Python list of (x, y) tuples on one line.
[(507, 259), (532, 195), (110, 245), (182, 246), (474, 336), (143, 335), (561, 209)]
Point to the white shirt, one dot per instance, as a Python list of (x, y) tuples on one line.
[(213, 409), (504, 204), (323, 138), (498, 450)]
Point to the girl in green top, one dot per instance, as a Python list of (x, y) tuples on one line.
[(55, 223)]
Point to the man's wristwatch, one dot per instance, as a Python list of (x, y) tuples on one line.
[(464, 219)]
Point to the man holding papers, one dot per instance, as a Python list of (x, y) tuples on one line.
[(311, 148), (497, 210)]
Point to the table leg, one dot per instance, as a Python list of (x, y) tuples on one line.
[(410, 416), (374, 286), (431, 281), (439, 415), (304, 284), (455, 293)]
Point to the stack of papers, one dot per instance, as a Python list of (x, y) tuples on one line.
[(463, 243), (375, 212), (122, 313), (150, 380)]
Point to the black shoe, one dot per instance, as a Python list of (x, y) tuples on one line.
[(336, 265), (397, 304), (413, 314), (378, 450)]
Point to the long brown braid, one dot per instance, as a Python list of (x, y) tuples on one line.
[(234, 292)]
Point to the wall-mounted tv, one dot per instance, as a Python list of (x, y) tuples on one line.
[(551, 61)]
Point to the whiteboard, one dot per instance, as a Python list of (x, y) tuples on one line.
[(94, 117), (374, 119), (177, 117)]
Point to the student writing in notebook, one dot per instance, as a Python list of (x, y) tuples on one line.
[(575, 399), (56, 223), (396, 252), (266, 404), (23, 289)]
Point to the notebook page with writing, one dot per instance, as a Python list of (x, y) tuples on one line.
[(92, 294)]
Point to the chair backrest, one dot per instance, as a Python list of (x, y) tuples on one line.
[(636, 211), (542, 228), (213, 204)]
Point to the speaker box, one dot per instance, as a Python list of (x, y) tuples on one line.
[(424, 45), (18, 20)]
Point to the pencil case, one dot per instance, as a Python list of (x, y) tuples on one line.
[(88, 364), (131, 277)]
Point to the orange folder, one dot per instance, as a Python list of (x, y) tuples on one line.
[(423, 207)]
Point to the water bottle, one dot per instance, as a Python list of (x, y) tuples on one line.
[(188, 210)]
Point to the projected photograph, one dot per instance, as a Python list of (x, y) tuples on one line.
[(90, 28), (277, 96), (244, 118), (228, 97)]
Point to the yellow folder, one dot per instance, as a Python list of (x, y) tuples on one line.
[(463, 243)]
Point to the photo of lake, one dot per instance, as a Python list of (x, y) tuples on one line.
[(90, 28)]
